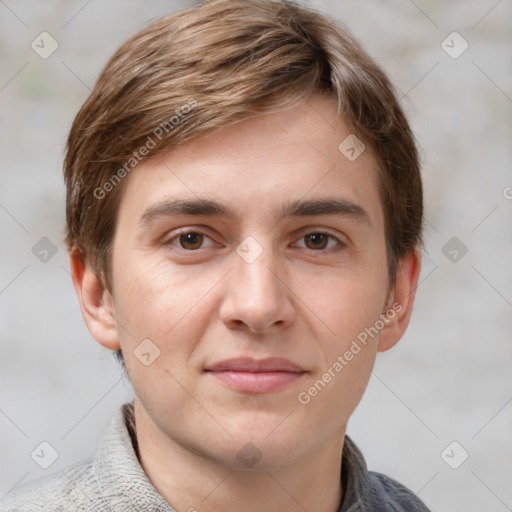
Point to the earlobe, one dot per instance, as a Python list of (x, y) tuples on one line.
[(401, 300), (95, 302)]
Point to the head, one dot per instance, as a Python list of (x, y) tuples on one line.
[(226, 119)]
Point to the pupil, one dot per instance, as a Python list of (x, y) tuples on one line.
[(193, 239), (318, 237)]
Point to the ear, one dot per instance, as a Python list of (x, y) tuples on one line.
[(95, 302), (400, 300)]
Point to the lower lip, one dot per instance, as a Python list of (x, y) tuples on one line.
[(257, 382)]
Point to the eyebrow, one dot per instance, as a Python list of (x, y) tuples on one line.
[(298, 208)]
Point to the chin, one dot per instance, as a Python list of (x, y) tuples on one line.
[(262, 455), (266, 442), (258, 424)]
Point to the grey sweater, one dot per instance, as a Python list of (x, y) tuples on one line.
[(114, 481)]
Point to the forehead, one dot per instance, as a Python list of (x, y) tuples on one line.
[(260, 164)]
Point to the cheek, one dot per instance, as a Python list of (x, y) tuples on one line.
[(144, 291), (159, 301), (347, 303), (348, 348), (331, 395)]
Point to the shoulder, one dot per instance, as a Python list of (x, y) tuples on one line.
[(392, 495), (370, 491), (74, 488)]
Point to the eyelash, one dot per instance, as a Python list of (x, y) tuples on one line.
[(339, 246)]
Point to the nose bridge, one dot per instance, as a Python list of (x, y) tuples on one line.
[(255, 294), (252, 268)]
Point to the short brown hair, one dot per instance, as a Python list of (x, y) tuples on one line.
[(216, 64)]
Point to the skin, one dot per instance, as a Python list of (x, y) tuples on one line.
[(303, 298)]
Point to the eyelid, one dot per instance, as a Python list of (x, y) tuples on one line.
[(184, 231), (321, 231)]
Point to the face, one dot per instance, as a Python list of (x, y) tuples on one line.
[(251, 260)]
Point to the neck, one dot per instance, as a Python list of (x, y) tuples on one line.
[(191, 482)]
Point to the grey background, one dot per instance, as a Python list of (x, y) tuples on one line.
[(449, 379)]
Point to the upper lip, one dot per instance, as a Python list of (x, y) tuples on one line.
[(247, 364)]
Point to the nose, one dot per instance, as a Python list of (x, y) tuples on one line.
[(256, 296)]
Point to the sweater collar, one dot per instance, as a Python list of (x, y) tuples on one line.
[(120, 476)]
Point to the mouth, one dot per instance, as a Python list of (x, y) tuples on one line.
[(256, 376)]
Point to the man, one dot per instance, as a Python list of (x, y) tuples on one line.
[(244, 210)]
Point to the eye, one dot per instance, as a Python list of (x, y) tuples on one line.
[(189, 240), (319, 240), (316, 241)]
